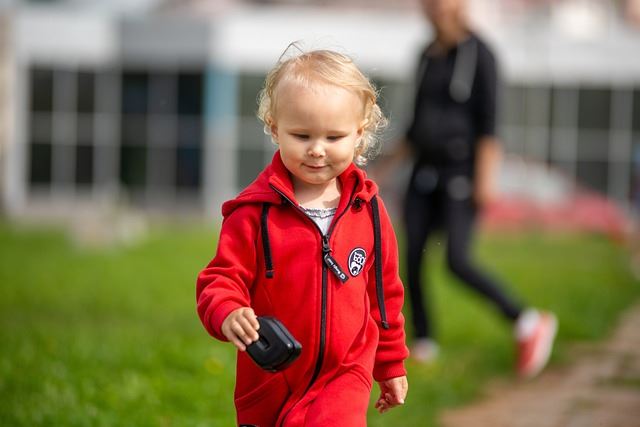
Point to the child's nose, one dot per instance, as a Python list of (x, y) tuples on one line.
[(316, 149)]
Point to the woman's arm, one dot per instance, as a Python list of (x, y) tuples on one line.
[(488, 158)]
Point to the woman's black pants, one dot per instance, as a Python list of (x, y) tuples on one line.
[(455, 214)]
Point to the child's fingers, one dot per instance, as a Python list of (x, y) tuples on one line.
[(252, 318), (381, 401), (231, 336), (382, 406), (391, 400), (387, 401), (395, 398), (249, 329), (384, 403), (237, 342), (242, 329)]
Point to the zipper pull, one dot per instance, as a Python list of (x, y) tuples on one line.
[(326, 249), (331, 262)]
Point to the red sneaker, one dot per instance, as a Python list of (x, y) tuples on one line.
[(535, 332)]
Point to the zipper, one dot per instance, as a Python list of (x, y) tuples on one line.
[(331, 262), (326, 250), (326, 259)]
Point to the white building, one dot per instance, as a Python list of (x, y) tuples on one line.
[(156, 107)]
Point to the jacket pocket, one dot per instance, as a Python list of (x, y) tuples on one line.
[(262, 405)]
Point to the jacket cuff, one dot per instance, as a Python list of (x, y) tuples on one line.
[(218, 317), (385, 371)]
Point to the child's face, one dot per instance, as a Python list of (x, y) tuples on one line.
[(317, 129)]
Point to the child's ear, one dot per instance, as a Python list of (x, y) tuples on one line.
[(274, 132), (363, 124)]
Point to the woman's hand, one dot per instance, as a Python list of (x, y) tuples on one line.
[(488, 158), (484, 192)]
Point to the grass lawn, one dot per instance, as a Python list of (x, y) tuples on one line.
[(111, 338)]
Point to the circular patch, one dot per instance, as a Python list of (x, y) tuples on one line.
[(357, 258)]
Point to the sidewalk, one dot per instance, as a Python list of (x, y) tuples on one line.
[(601, 388)]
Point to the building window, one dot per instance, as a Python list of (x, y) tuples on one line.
[(41, 90), (85, 98), (40, 167), (254, 147), (61, 131), (636, 113), (188, 170), (162, 132), (563, 108), (594, 174), (568, 127), (84, 165), (594, 109), (40, 126), (392, 98), (514, 111), (190, 94), (189, 153), (151, 144), (135, 92)]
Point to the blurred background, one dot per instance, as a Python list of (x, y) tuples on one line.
[(117, 112), (151, 103)]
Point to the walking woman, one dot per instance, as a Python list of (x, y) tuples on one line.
[(455, 154)]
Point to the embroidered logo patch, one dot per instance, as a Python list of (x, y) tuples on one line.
[(357, 258)]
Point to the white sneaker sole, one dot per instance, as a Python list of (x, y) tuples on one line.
[(541, 356)]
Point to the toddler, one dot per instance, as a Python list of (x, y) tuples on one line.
[(310, 243)]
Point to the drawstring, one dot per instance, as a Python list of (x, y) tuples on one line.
[(377, 262), (464, 71), (266, 247), (377, 247)]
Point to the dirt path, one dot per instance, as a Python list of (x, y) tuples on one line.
[(601, 388)]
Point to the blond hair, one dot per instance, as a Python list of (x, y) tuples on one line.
[(333, 68)]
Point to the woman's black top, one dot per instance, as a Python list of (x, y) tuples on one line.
[(455, 105)]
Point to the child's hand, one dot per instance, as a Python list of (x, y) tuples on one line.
[(240, 327), (392, 393)]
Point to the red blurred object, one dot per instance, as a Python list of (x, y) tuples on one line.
[(583, 211), (541, 198)]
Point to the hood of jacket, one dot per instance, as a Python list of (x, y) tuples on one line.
[(274, 184)]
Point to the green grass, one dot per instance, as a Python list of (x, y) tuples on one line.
[(110, 337), (583, 279)]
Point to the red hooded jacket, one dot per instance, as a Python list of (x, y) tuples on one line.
[(337, 322)]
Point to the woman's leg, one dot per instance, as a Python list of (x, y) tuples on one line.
[(460, 220), (418, 225)]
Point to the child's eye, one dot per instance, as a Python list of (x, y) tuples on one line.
[(335, 137), (302, 136)]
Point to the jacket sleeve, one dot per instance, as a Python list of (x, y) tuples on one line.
[(410, 134), (486, 87), (392, 349), (223, 286)]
